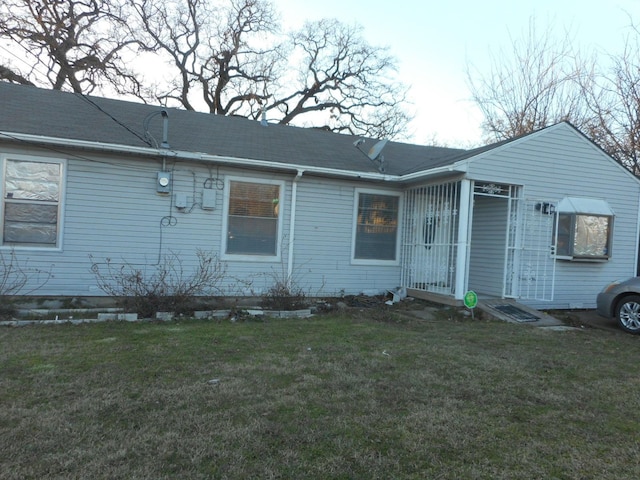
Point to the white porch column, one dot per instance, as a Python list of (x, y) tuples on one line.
[(464, 228)]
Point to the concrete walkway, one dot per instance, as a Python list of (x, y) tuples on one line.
[(559, 319), (499, 308), (512, 311)]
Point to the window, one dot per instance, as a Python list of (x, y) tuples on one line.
[(376, 229), (253, 214), (31, 192), (584, 229)]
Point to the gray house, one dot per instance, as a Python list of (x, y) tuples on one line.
[(547, 218)]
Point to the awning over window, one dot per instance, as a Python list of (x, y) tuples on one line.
[(591, 206)]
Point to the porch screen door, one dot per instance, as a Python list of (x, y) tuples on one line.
[(531, 246)]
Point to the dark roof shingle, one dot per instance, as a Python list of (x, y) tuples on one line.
[(50, 113)]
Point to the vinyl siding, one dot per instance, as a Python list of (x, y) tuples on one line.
[(324, 235), (559, 162), (112, 211), (488, 243)]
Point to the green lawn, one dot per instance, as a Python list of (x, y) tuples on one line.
[(352, 397)]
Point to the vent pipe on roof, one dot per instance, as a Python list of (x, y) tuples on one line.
[(165, 129)]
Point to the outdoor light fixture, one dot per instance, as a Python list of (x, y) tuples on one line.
[(546, 208)]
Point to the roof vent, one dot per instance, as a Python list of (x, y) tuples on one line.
[(165, 129)]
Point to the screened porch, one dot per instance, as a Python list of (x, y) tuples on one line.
[(429, 243)]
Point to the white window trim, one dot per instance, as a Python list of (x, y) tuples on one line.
[(61, 200), (354, 227), (225, 220)]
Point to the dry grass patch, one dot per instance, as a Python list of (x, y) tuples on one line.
[(327, 397)]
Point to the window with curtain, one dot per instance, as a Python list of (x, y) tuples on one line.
[(582, 236), (584, 229)]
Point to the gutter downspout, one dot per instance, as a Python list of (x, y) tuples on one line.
[(292, 225)]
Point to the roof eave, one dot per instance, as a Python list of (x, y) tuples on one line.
[(457, 167), (191, 156)]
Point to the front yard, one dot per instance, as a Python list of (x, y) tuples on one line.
[(341, 396)]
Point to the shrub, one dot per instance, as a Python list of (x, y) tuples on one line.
[(283, 296), (164, 287), (7, 309), (14, 277)]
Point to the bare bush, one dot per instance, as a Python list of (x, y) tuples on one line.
[(164, 287), (284, 296), (285, 291), (14, 278)]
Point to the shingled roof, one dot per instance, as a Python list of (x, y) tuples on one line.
[(49, 113)]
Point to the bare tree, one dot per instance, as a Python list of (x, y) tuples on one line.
[(168, 29), (230, 59), (9, 75), (342, 83), (531, 87), (214, 49), (68, 44), (541, 83), (227, 57), (613, 97), (237, 73)]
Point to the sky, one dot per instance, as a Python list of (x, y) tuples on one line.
[(435, 41)]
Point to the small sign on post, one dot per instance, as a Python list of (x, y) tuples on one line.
[(470, 301)]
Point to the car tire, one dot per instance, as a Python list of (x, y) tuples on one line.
[(628, 314)]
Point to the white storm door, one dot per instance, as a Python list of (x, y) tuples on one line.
[(531, 246)]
